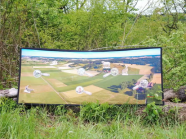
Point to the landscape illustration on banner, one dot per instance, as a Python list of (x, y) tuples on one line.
[(74, 77)]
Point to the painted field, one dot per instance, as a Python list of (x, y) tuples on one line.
[(48, 70), (72, 93), (156, 78), (31, 80), (144, 69), (42, 92), (41, 98), (46, 89), (81, 79), (102, 96), (143, 78), (71, 71), (133, 70), (123, 99), (56, 83), (62, 68), (26, 74), (27, 69), (66, 78), (32, 63), (71, 87), (112, 82), (48, 67), (120, 67)]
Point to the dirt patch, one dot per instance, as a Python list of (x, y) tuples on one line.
[(57, 83), (156, 78), (90, 88), (44, 67), (144, 69)]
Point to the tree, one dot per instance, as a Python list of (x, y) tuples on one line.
[(173, 11)]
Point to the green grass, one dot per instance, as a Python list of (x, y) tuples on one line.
[(61, 123)]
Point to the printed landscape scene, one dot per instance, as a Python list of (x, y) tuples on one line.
[(59, 86)]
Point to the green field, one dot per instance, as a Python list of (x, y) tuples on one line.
[(74, 80), (85, 81), (26, 69), (45, 98), (133, 70), (115, 80), (73, 87)]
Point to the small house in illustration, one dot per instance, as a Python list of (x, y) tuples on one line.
[(125, 70), (150, 85), (53, 63), (106, 66)]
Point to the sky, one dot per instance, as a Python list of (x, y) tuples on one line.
[(67, 54), (153, 3)]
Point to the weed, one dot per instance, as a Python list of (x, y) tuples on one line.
[(152, 113), (176, 100)]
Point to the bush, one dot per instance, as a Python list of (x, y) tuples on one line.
[(174, 57)]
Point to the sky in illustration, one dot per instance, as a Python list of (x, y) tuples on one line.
[(107, 54)]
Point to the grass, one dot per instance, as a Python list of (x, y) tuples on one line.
[(61, 123)]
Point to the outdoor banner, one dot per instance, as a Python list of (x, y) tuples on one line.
[(127, 76)]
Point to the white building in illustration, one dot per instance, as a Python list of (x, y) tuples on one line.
[(125, 70), (106, 66)]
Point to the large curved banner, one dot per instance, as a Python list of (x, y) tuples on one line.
[(128, 76)]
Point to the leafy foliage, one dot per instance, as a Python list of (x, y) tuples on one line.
[(103, 113), (86, 25), (152, 113), (174, 57)]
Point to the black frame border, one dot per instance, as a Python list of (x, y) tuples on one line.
[(65, 50)]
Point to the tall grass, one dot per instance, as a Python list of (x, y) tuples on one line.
[(62, 123)]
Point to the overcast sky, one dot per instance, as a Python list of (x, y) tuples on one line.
[(153, 3)]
